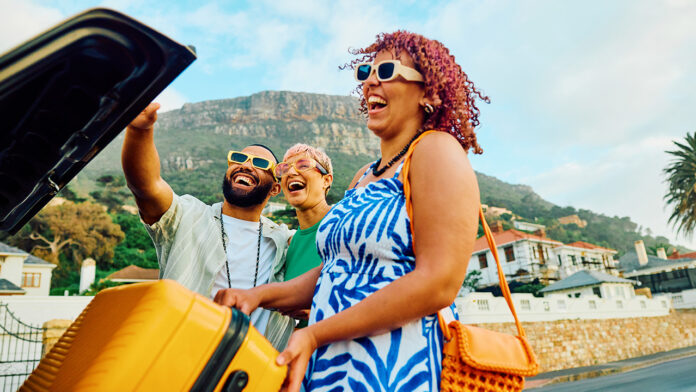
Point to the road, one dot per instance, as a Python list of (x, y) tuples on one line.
[(677, 375)]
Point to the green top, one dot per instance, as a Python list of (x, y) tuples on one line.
[(302, 256), (302, 253)]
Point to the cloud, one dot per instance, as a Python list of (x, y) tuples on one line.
[(170, 99), (629, 81), (20, 21), (626, 181)]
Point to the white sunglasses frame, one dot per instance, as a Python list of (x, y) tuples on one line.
[(407, 73)]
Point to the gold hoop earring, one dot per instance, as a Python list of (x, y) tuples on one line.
[(428, 108)]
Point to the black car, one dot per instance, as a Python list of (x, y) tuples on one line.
[(66, 94)]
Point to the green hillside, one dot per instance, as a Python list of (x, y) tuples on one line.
[(193, 144)]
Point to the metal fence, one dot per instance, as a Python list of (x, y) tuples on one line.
[(21, 347)]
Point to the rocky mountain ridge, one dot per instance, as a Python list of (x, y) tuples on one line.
[(332, 122)]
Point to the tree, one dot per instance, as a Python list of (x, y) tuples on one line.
[(75, 231), (681, 181), (113, 193), (472, 280), (137, 248), (287, 216)]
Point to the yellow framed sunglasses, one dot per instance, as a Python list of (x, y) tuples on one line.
[(240, 158)]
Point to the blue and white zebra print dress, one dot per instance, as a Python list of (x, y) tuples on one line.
[(366, 243)]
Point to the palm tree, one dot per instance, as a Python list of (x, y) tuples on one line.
[(681, 178)]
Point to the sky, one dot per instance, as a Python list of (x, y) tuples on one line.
[(586, 96)]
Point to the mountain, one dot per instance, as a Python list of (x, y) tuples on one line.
[(193, 142)]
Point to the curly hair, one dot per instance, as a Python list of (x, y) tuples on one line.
[(454, 94)]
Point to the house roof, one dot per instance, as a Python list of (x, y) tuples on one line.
[(8, 287), (585, 278), (677, 256), (4, 248), (31, 259), (587, 245), (508, 236), (135, 273), (629, 262)]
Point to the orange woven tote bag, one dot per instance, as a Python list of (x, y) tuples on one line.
[(474, 358)]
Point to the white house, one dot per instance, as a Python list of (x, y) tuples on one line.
[(592, 283), (580, 255), (22, 273), (526, 256), (527, 226)]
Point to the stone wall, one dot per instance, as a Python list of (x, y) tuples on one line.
[(54, 329), (573, 343)]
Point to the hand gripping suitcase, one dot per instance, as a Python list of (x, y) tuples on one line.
[(158, 336)]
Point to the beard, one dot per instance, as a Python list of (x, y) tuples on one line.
[(241, 198)]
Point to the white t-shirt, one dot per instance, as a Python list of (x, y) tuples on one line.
[(242, 243)]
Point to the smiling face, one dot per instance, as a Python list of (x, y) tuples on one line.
[(304, 189), (395, 105), (245, 185)]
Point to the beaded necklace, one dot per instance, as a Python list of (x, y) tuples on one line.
[(378, 172), (224, 246)]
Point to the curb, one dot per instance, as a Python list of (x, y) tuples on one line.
[(610, 369)]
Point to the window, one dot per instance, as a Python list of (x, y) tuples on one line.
[(577, 295), (509, 253), (643, 305), (573, 260), (525, 305), (31, 279), (561, 305), (596, 291), (678, 299), (593, 304), (483, 304), (619, 304), (483, 261), (560, 262)]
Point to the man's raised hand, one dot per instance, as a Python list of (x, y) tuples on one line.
[(146, 119)]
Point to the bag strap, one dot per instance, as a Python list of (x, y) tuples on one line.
[(442, 316)]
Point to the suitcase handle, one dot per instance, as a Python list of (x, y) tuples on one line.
[(236, 381)]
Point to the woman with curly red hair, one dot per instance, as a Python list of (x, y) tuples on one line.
[(386, 273)]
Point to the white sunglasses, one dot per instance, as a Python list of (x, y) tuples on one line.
[(386, 70)]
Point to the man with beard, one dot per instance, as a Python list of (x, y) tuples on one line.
[(209, 248)]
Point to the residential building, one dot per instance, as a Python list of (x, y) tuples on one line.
[(526, 226), (134, 274), (491, 211), (22, 273), (587, 283), (675, 255), (572, 219), (526, 256), (660, 275), (272, 207)]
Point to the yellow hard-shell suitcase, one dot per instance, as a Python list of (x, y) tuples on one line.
[(158, 336)]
